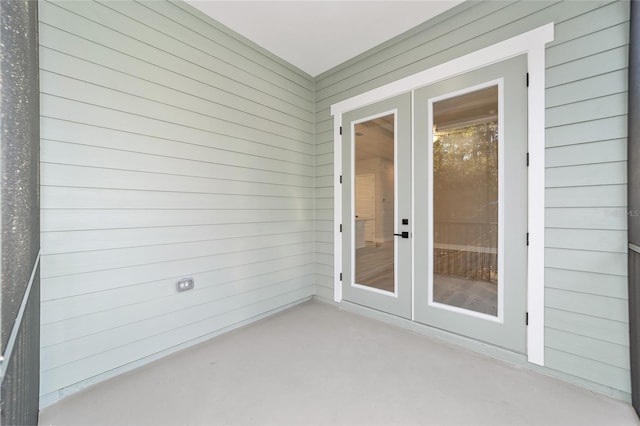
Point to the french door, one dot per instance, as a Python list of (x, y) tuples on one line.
[(376, 201), (451, 251), (470, 233)]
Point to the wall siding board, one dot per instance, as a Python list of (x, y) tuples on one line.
[(194, 144), (68, 70), (101, 117), (79, 323), (74, 241), (594, 42), (323, 292), (611, 173), (606, 151), (587, 196), (588, 88), (170, 148), (595, 240), (67, 220), (598, 350), (94, 198), (586, 282), (587, 261), (190, 81), (324, 147), (74, 285), (80, 262), (588, 304), (587, 325), (91, 177), (587, 131), (605, 15), (213, 166), (589, 66), (595, 371), (65, 153), (586, 119), (324, 181), (104, 301), (586, 218), (98, 22), (218, 118), (577, 112)]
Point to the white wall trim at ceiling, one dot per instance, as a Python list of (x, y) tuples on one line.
[(532, 43)]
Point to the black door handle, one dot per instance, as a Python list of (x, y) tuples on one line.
[(404, 234)]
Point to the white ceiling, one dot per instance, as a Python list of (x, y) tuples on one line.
[(317, 35)]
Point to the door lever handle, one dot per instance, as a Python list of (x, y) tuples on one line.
[(403, 234)]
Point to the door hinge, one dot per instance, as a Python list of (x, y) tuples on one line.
[(340, 276), (527, 79), (527, 238), (340, 227), (340, 178), (526, 319), (340, 129), (527, 159)]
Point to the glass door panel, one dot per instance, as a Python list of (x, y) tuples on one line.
[(465, 201), (374, 202)]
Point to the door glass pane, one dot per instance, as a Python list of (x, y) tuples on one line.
[(465, 201), (374, 202)]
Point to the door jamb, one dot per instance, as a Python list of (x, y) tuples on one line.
[(532, 43)]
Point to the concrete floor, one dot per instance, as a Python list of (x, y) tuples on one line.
[(316, 365)]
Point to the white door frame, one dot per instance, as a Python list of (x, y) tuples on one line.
[(532, 43)]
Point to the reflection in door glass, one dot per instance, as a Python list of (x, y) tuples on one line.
[(374, 203), (465, 201)]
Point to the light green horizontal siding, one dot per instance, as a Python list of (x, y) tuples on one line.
[(588, 325), (603, 218), (67, 324), (586, 128), (600, 373), (171, 147), (594, 283), (594, 240), (605, 151)]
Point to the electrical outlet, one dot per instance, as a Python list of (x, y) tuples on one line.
[(185, 284)]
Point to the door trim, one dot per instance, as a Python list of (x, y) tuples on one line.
[(531, 43)]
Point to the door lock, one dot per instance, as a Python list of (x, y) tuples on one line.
[(403, 234)]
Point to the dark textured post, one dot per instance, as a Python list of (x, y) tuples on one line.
[(634, 200), (19, 213)]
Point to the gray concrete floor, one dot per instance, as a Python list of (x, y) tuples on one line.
[(317, 365)]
